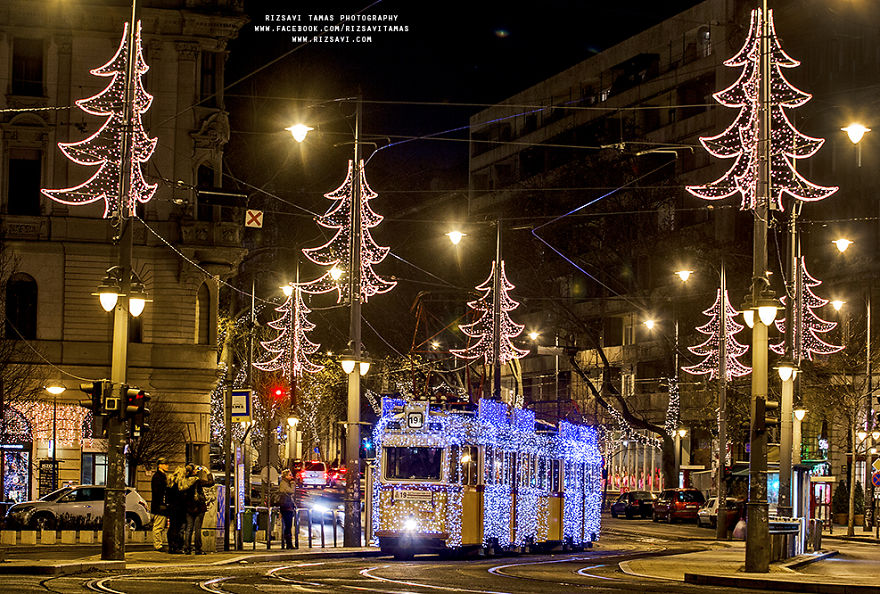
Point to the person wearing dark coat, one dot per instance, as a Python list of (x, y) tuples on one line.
[(286, 492), (176, 497), (158, 503), (196, 503)]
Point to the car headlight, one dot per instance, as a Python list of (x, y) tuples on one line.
[(410, 525)]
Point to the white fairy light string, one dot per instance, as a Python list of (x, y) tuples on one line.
[(336, 253), (740, 140), (808, 324), (104, 148), (710, 350), (292, 346), (483, 328)]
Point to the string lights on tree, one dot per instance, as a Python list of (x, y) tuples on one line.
[(105, 147), (740, 140), (291, 347), (808, 325), (710, 349), (336, 253), (483, 329)]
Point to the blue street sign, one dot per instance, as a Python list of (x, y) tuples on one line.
[(241, 405), (875, 479)]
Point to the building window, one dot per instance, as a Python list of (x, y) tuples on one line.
[(21, 307), (27, 67), (209, 90), (203, 315), (94, 468), (23, 191)]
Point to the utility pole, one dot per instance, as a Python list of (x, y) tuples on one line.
[(793, 330), (113, 539), (869, 421), (721, 488), (496, 316), (758, 527), (352, 527)]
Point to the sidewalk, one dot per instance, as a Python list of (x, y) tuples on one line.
[(847, 568), (42, 562)]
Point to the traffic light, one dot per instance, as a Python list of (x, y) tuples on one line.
[(99, 392), (136, 410)]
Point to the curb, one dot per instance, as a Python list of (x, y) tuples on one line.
[(807, 559), (270, 557), (777, 584), (59, 568)]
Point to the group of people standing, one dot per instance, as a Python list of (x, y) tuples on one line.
[(179, 501)]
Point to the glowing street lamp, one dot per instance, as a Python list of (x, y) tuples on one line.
[(299, 131), (649, 324), (837, 304), (842, 244), (455, 237), (684, 275)]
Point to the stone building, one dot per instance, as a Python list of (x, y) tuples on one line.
[(59, 254)]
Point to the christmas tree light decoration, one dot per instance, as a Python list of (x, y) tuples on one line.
[(105, 147), (68, 419), (808, 325), (710, 349), (483, 329), (740, 140), (673, 409), (291, 347), (336, 253)]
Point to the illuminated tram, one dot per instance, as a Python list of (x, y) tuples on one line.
[(451, 479)]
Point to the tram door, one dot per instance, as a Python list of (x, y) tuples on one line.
[(472, 495)]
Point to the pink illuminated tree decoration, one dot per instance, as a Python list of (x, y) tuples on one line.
[(740, 140), (291, 347), (710, 349), (483, 329), (808, 325), (336, 253), (105, 147)]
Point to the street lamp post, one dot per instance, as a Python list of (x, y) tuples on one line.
[(55, 390), (758, 528)]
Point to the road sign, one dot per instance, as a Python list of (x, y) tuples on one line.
[(241, 405), (253, 218), (877, 464), (875, 479)]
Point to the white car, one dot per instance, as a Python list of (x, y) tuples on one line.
[(708, 514), (313, 474), (76, 507)]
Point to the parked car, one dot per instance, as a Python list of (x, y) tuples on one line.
[(313, 473), (708, 514), (634, 503), (678, 504), (81, 506)]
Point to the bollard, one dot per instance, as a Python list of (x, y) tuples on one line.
[(309, 518), (296, 528), (335, 512)]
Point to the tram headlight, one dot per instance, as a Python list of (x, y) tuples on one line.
[(320, 508), (410, 525)]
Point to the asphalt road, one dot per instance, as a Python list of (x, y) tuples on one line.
[(595, 570)]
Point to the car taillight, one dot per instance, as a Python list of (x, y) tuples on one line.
[(301, 473), (636, 502)]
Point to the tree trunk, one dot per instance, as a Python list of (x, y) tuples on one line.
[(852, 483), (670, 481)]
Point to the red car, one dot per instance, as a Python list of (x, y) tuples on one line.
[(678, 504)]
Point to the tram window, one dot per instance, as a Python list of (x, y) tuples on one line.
[(556, 473), (454, 464), (413, 463), (541, 472), (470, 458)]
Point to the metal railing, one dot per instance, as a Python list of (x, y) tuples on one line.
[(334, 514)]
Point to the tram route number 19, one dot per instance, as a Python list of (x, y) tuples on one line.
[(415, 420)]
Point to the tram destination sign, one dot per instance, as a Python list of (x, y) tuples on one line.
[(421, 496)]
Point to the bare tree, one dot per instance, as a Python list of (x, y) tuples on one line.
[(165, 434)]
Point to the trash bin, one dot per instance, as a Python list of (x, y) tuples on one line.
[(247, 525)]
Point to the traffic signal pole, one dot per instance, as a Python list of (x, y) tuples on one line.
[(113, 540)]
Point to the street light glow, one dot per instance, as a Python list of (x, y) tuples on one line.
[(684, 275), (299, 131), (287, 290), (800, 413), (335, 273), (649, 324), (455, 237), (55, 389), (682, 432), (842, 244), (837, 304), (767, 313), (855, 132), (533, 335)]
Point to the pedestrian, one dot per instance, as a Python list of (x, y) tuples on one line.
[(158, 503), (196, 506), (178, 485), (286, 491)]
